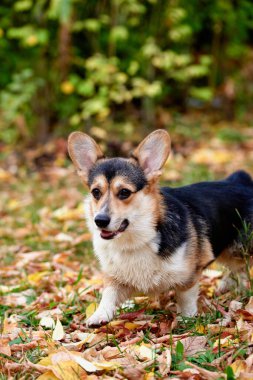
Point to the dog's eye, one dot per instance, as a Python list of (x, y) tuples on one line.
[(96, 193), (124, 194)]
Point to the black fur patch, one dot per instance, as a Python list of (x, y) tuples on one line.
[(113, 167), (173, 228), (216, 209)]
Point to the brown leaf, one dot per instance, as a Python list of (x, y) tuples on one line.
[(193, 344), (164, 362), (4, 346)]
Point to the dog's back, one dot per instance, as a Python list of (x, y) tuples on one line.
[(217, 209)]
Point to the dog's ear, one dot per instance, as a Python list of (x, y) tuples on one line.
[(153, 152), (84, 152)]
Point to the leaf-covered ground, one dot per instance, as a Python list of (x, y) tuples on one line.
[(50, 281)]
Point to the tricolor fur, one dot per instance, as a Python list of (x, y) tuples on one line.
[(153, 239)]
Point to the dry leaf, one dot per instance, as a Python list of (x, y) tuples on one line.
[(164, 362), (68, 370), (91, 309), (131, 325), (193, 344), (4, 347), (58, 332), (47, 322), (238, 366), (49, 375), (85, 364), (109, 366)]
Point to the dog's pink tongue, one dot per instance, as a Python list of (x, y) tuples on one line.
[(107, 234)]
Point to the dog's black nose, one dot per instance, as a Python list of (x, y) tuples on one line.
[(102, 220)]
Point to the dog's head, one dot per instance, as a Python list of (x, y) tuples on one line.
[(123, 191)]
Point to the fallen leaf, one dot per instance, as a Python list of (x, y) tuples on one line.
[(238, 366), (68, 370), (228, 341), (235, 305), (58, 332), (35, 278), (91, 309), (49, 375), (131, 325), (4, 347), (47, 322), (164, 362), (109, 366), (85, 364), (193, 344)]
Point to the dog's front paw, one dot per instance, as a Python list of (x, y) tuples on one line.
[(190, 311), (98, 319)]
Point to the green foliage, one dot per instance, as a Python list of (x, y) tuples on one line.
[(69, 63)]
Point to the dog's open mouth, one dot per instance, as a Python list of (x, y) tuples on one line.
[(111, 234)]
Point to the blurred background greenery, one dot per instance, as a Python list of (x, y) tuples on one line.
[(122, 67)]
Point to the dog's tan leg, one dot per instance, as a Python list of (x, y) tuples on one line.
[(187, 301), (112, 296)]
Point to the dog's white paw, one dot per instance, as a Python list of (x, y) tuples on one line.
[(191, 311), (98, 319)]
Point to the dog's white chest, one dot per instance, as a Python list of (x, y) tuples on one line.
[(141, 268)]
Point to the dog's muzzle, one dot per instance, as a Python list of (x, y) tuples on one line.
[(105, 234)]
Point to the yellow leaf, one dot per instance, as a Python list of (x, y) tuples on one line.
[(238, 366), (68, 370), (107, 365), (116, 322), (91, 309), (58, 332), (200, 328), (149, 376), (49, 375), (131, 325), (35, 278), (225, 342), (46, 361)]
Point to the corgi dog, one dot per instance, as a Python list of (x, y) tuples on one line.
[(152, 239)]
